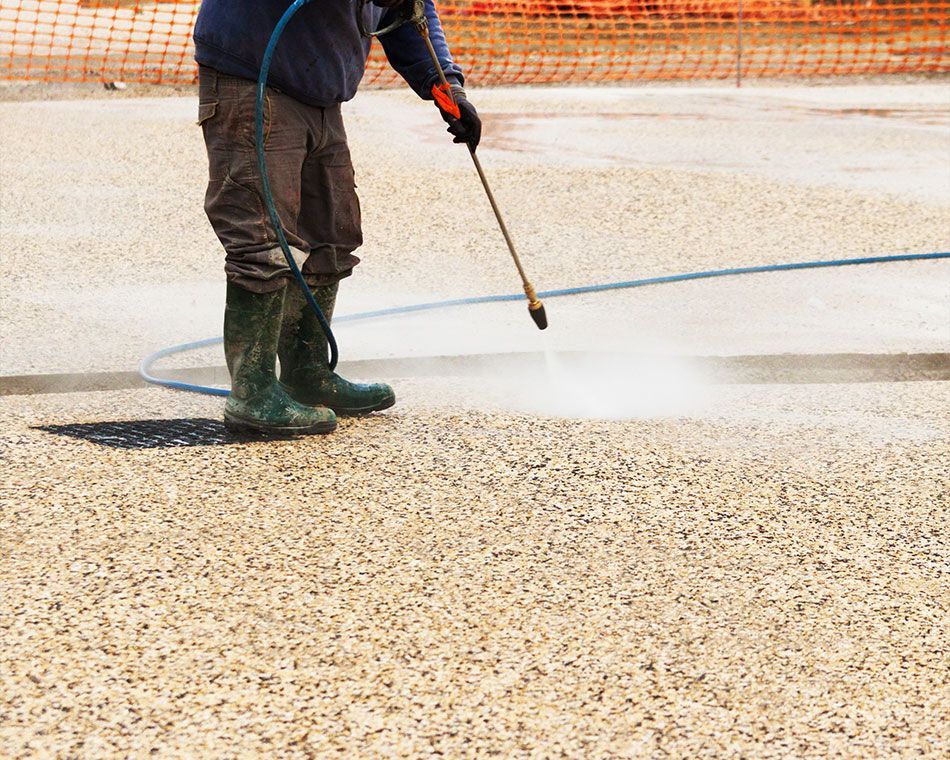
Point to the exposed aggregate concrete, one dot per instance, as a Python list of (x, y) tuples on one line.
[(763, 574), (765, 579)]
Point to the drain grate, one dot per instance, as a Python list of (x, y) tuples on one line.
[(151, 434)]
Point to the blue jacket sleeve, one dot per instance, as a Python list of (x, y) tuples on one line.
[(408, 55)]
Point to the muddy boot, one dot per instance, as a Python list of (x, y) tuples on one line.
[(258, 402), (304, 360)]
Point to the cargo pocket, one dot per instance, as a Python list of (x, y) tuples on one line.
[(237, 214), (206, 111)]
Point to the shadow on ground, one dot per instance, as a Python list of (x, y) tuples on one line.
[(150, 434)]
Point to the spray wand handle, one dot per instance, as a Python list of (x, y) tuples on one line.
[(535, 307)]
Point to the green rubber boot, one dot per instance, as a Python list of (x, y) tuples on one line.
[(304, 360), (258, 403)]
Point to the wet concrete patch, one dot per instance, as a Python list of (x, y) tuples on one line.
[(84, 382), (776, 369), (765, 368)]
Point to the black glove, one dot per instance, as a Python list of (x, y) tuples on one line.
[(461, 115), (387, 3)]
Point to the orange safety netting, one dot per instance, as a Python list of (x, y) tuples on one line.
[(520, 41)]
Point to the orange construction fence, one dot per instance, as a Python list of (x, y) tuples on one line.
[(520, 41)]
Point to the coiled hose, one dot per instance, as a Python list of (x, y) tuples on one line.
[(145, 367)]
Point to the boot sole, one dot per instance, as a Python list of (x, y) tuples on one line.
[(239, 426), (384, 404)]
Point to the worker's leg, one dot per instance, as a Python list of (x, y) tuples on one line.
[(257, 401), (304, 364), (256, 271), (329, 216), (330, 223), (234, 199)]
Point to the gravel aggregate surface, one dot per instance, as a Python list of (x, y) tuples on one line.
[(764, 578), (610, 558)]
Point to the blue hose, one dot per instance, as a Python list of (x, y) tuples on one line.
[(145, 367), (265, 180)]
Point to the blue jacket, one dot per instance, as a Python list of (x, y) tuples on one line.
[(321, 56)]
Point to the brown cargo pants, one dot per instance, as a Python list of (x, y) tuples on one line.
[(311, 177)]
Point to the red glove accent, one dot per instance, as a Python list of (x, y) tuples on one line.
[(443, 98)]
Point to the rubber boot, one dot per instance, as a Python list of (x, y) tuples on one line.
[(259, 403), (304, 360)]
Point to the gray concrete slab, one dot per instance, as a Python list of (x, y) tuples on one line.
[(106, 254), (611, 558)]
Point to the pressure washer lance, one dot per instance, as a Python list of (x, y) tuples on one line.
[(415, 15), (446, 99)]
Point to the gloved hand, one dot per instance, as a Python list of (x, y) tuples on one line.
[(461, 115), (387, 3)]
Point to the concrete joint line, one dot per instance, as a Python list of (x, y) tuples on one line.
[(751, 369)]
